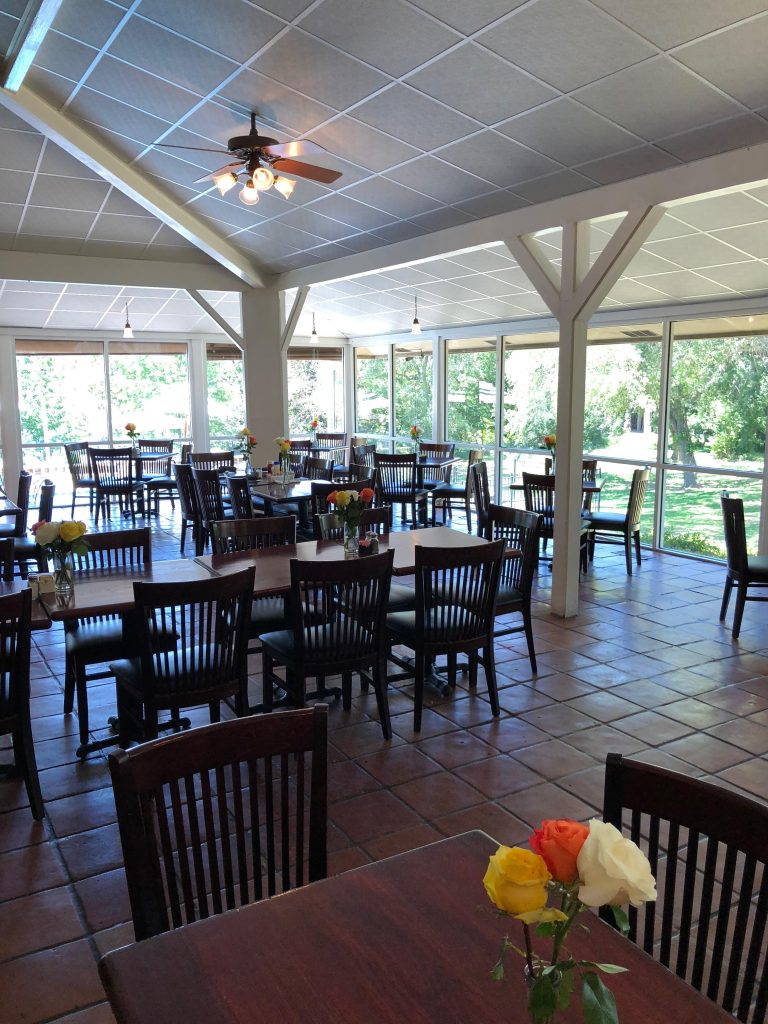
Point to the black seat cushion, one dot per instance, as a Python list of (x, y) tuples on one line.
[(97, 641), (268, 614), (607, 520), (401, 598), (757, 566)]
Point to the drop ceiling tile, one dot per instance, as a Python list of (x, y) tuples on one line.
[(56, 223), (9, 120), (681, 284), (28, 300), (418, 37), (285, 9), (455, 79), (552, 186), (696, 251), (229, 26), (19, 151), (169, 57), (483, 261), (733, 60), (396, 199), (492, 287), (750, 238), (734, 133), (119, 203), (284, 235), (18, 318), (347, 210), (414, 118), (567, 132), (492, 203), (317, 70), (89, 21), (646, 261), (639, 98), (43, 242), (272, 101), (104, 111), (352, 140), (211, 207), (112, 227), (65, 57), (447, 291), (628, 291), (498, 159), (54, 89), (631, 164), (83, 303), (669, 24), (315, 223), (439, 180), (725, 211), (329, 251), (15, 186), (410, 276), (567, 43), (499, 309), (514, 276), (10, 215), (108, 291), (744, 277), (438, 220), (68, 193), (122, 81), (530, 303), (468, 18), (109, 250), (670, 227), (56, 161), (397, 232)]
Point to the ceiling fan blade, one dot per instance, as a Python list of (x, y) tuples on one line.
[(221, 170), (301, 147), (195, 149), (302, 170)]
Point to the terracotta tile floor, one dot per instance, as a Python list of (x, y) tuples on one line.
[(644, 669)]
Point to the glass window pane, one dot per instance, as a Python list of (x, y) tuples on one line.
[(226, 395), (470, 384), (530, 394), (61, 394), (718, 396), (150, 390), (315, 389), (413, 387), (693, 520), (372, 390)]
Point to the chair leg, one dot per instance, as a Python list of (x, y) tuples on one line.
[(738, 612), (726, 597), (418, 692), (382, 699), (81, 684), (183, 536), (267, 669), (74, 495), (69, 686), (346, 690), (628, 551), (24, 756), (528, 627), (468, 510), (489, 664), (637, 547)]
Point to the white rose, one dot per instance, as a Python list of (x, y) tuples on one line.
[(47, 533), (612, 869)]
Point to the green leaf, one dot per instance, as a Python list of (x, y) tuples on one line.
[(497, 971), (542, 1000), (621, 919), (605, 968), (565, 989), (598, 1004), (545, 929)]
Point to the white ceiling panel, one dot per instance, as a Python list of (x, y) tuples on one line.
[(670, 22), (415, 118), (231, 27), (733, 60), (497, 159), (67, 193), (734, 133), (568, 132)]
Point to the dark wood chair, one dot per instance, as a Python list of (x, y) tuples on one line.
[(210, 503), (604, 524), (244, 831), (26, 551), (743, 571), (444, 493), (186, 450), (481, 492), (15, 634), (240, 497), (156, 472), (396, 485), (456, 591), (539, 496), (402, 598), (6, 559), (206, 663), (589, 476), (327, 526), (94, 641), (436, 450), (81, 472), (317, 469), (320, 491), (212, 460), (337, 611), (521, 532), (16, 525), (190, 508), (331, 440), (708, 849), (355, 474), (363, 455), (113, 471)]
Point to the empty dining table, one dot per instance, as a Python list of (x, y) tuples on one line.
[(410, 938)]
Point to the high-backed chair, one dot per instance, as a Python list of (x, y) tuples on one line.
[(320, 491), (539, 495), (445, 492), (396, 485), (113, 471), (81, 472), (190, 507), (743, 571), (481, 492), (436, 450), (16, 525), (626, 524), (337, 611), (317, 469), (240, 497), (100, 639), (6, 559), (26, 551), (210, 503), (363, 455), (156, 471), (249, 825), (456, 592), (521, 532), (15, 633), (206, 663), (589, 476), (331, 440), (212, 460), (708, 850), (186, 450)]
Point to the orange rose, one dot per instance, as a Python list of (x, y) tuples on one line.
[(366, 494), (559, 842), (331, 499)]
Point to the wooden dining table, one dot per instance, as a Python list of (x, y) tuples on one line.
[(40, 617), (410, 939)]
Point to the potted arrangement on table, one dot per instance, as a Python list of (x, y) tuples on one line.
[(132, 432), (60, 541), (283, 455), (314, 426), (349, 508), (581, 866), (245, 446), (416, 433), (550, 442)]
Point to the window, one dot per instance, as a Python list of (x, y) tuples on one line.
[(413, 387), (470, 391), (226, 394), (315, 388), (530, 392), (149, 386), (372, 390), (61, 391)]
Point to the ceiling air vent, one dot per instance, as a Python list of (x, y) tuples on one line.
[(640, 334)]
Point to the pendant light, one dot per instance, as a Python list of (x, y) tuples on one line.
[(313, 335), (249, 194), (127, 330), (415, 326)]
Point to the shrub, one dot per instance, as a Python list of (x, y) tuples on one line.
[(697, 543)]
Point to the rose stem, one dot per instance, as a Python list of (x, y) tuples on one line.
[(528, 950)]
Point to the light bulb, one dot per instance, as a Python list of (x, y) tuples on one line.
[(224, 182), (415, 326), (285, 186), (127, 331), (263, 179), (249, 194)]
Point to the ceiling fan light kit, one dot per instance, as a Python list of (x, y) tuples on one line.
[(224, 182), (249, 194)]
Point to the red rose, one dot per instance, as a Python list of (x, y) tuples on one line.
[(559, 841)]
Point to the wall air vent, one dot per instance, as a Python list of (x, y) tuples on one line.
[(640, 334)]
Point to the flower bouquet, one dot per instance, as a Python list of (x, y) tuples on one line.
[(314, 426), (132, 432), (550, 443), (283, 453), (245, 446), (349, 509), (416, 434), (580, 866), (60, 541)]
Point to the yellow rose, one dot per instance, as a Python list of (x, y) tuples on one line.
[(516, 880), (71, 531), (342, 499)]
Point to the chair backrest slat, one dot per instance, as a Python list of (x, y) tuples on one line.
[(208, 488), (317, 469), (521, 531), (240, 497), (15, 633), (637, 491), (395, 477), (212, 460)]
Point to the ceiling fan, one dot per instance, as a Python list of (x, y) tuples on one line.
[(259, 156)]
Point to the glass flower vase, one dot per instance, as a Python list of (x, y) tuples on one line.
[(351, 541), (63, 573)]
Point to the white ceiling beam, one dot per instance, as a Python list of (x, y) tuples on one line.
[(293, 317), (722, 173), (36, 266), (217, 318), (80, 144), (27, 40), (537, 271)]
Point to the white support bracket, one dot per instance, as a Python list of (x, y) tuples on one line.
[(27, 40), (217, 318), (538, 273), (293, 317)]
